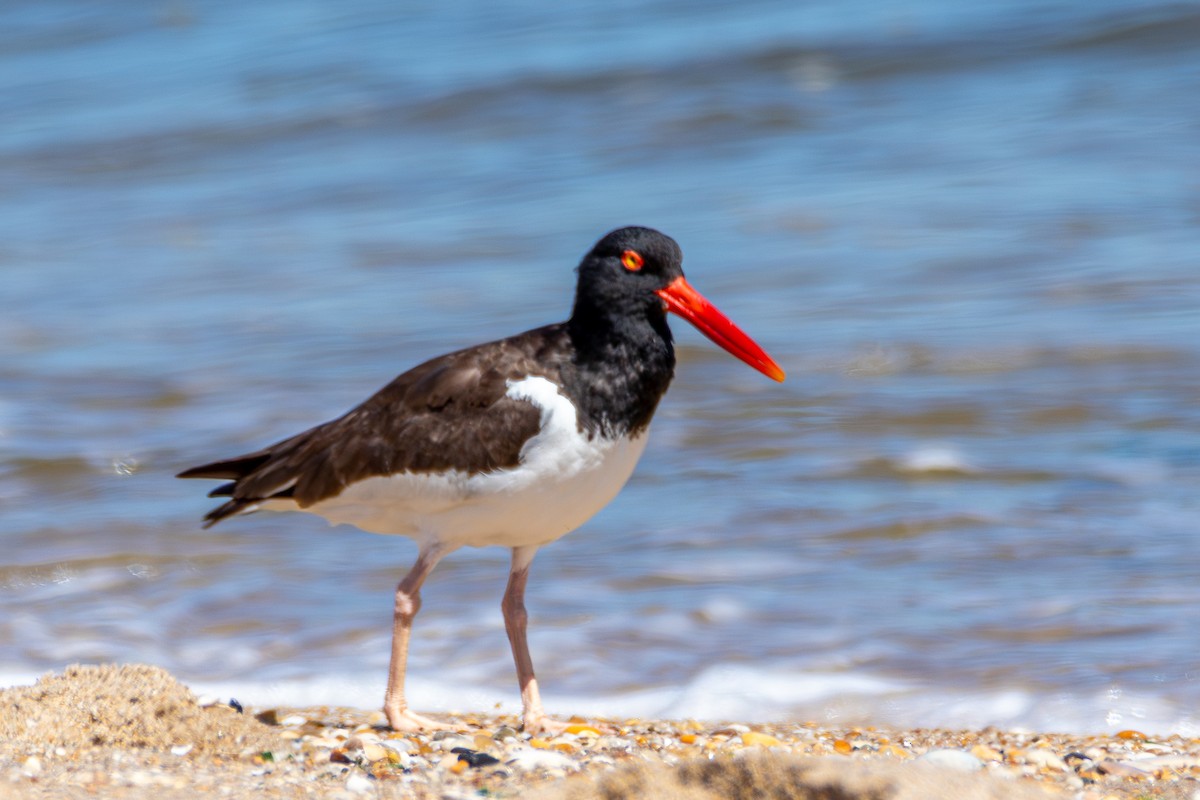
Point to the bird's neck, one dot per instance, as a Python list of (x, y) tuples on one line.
[(623, 366)]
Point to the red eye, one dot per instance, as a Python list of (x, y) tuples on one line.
[(632, 260)]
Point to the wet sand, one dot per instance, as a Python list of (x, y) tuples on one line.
[(133, 731)]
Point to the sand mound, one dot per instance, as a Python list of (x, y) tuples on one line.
[(127, 706), (787, 777)]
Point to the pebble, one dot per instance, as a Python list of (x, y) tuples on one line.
[(732, 730), (447, 743), (1046, 759), (399, 745), (985, 753), (957, 760), (527, 759), (359, 783), (1134, 735), (1119, 769), (268, 717), (373, 752), (582, 729), (756, 739), (475, 759), (32, 767)]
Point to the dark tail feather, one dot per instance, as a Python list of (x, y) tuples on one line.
[(229, 470), (233, 470), (227, 510)]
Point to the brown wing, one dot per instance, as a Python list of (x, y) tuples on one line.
[(450, 413)]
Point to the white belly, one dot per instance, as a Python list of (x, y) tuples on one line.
[(563, 479)]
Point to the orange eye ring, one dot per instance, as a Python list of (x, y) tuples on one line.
[(632, 260)]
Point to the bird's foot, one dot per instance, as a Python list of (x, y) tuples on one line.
[(540, 723), (401, 719)]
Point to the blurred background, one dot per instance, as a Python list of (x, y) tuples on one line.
[(969, 232)]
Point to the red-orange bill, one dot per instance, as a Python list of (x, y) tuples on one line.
[(682, 299)]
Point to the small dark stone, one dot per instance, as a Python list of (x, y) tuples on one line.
[(268, 717), (473, 758), (236, 706)]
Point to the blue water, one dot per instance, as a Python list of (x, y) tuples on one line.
[(968, 232)]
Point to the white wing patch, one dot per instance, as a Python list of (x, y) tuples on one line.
[(558, 447)]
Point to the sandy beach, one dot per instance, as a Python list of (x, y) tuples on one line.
[(133, 731)]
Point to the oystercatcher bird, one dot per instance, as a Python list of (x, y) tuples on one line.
[(512, 443)]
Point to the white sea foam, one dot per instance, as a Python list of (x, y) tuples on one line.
[(936, 458), (730, 692)]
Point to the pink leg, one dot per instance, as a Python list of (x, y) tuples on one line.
[(408, 603), (516, 620)]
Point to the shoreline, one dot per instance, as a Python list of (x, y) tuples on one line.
[(133, 731)]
